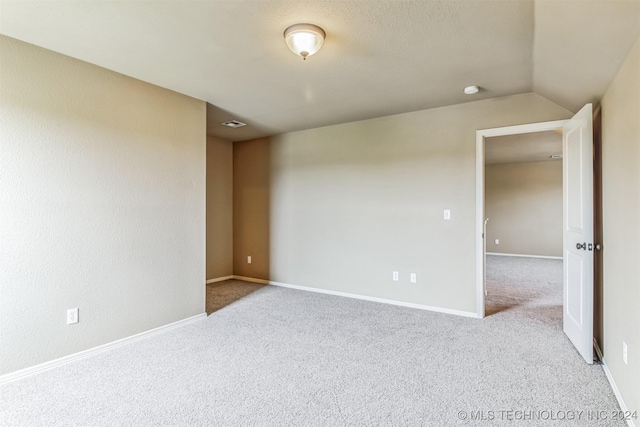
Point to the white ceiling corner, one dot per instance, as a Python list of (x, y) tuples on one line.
[(379, 58), (579, 47)]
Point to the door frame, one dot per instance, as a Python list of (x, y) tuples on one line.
[(480, 212)]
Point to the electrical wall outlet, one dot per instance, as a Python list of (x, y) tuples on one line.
[(396, 276), (624, 352), (249, 259), (447, 214), (72, 316), (413, 278), (497, 241)]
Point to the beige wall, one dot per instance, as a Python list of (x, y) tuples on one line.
[(251, 213), (621, 215), (102, 205), (350, 203), (219, 208), (523, 202)]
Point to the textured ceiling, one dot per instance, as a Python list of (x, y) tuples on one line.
[(379, 58), (526, 147)]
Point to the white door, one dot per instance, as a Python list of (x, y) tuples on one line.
[(578, 231)]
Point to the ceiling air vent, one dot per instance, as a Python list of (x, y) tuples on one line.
[(234, 124)]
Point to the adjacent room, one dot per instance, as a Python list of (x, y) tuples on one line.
[(523, 224), (298, 212)]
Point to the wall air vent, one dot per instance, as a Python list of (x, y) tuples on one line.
[(234, 124), (555, 156)]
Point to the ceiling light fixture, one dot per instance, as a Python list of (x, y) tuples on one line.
[(304, 39), (471, 90)]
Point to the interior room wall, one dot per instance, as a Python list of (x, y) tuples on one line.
[(523, 202), (103, 205), (621, 226), (219, 208), (251, 208), (351, 203)]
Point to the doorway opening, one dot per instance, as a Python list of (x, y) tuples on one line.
[(515, 133), (579, 250), (523, 223)]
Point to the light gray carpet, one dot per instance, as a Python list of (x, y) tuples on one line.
[(282, 357)]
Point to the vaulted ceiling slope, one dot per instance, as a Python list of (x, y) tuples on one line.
[(379, 58)]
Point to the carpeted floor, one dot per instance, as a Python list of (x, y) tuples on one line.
[(532, 286), (282, 357), (222, 294)]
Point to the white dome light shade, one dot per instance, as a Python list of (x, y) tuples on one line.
[(471, 90), (304, 39)]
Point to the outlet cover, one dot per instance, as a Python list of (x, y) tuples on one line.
[(249, 259), (497, 241), (72, 316), (396, 276), (413, 278)]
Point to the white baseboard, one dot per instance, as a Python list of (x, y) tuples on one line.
[(219, 279), (614, 387), (612, 383), (361, 297), (99, 349), (252, 280), (524, 256)]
